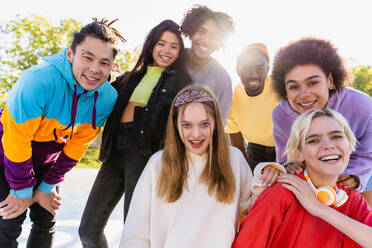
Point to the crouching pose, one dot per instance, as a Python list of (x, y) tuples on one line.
[(51, 115), (191, 193), (309, 209)]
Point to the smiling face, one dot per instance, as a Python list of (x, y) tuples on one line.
[(326, 151), (307, 87), (166, 50), (206, 39), (92, 62), (195, 127), (252, 70)]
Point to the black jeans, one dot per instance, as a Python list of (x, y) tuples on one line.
[(259, 153), (113, 180), (43, 222)]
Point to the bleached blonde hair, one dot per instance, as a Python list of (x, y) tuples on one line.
[(302, 124)]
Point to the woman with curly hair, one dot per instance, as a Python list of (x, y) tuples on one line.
[(309, 74), (208, 30)]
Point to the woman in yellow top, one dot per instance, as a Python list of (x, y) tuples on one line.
[(136, 128)]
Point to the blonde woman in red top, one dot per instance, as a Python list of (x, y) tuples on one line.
[(290, 215)]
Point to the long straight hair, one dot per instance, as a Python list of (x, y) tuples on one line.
[(145, 59), (217, 174)]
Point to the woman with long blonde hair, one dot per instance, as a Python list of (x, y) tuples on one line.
[(192, 193)]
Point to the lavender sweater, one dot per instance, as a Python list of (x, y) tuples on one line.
[(356, 107)]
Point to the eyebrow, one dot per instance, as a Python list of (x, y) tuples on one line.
[(201, 28), (318, 135), (306, 79), (172, 43), (183, 121), (87, 52)]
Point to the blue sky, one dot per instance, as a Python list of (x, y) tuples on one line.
[(274, 22)]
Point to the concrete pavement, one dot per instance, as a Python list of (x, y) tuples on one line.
[(75, 190)]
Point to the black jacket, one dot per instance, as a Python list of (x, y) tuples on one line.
[(150, 121)]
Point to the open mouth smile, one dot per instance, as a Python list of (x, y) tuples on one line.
[(165, 58), (307, 105), (330, 158), (202, 47), (196, 143), (91, 79)]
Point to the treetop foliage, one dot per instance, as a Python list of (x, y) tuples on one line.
[(25, 40), (363, 78)]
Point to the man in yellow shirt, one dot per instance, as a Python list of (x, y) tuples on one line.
[(252, 106)]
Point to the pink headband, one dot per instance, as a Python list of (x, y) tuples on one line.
[(193, 95)]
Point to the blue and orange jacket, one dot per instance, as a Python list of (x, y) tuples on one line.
[(49, 118)]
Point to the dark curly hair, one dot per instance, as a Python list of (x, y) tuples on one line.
[(101, 30), (307, 51), (199, 14)]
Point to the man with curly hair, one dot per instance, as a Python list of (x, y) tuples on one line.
[(208, 31), (51, 115)]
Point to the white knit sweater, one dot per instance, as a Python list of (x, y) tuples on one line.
[(195, 219)]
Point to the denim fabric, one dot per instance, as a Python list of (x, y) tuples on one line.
[(259, 153), (113, 180), (150, 120), (43, 222)]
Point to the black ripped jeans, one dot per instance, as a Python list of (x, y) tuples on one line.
[(43, 222), (113, 180)]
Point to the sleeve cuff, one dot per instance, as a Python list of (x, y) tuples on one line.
[(259, 169), (257, 186), (360, 188), (23, 193), (46, 188)]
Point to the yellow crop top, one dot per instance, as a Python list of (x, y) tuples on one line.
[(142, 92)]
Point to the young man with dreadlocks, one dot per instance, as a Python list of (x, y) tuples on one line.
[(208, 30), (52, 114)]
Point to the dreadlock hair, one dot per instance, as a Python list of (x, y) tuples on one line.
[(101, 30)]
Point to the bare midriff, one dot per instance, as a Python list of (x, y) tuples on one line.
[(128, 113)]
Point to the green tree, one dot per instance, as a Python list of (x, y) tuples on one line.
[(24, 41), (363, 78), (29, 39), (125, 61)]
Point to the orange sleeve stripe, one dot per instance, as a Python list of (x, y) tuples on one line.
[(17, 137), (82, 137)]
